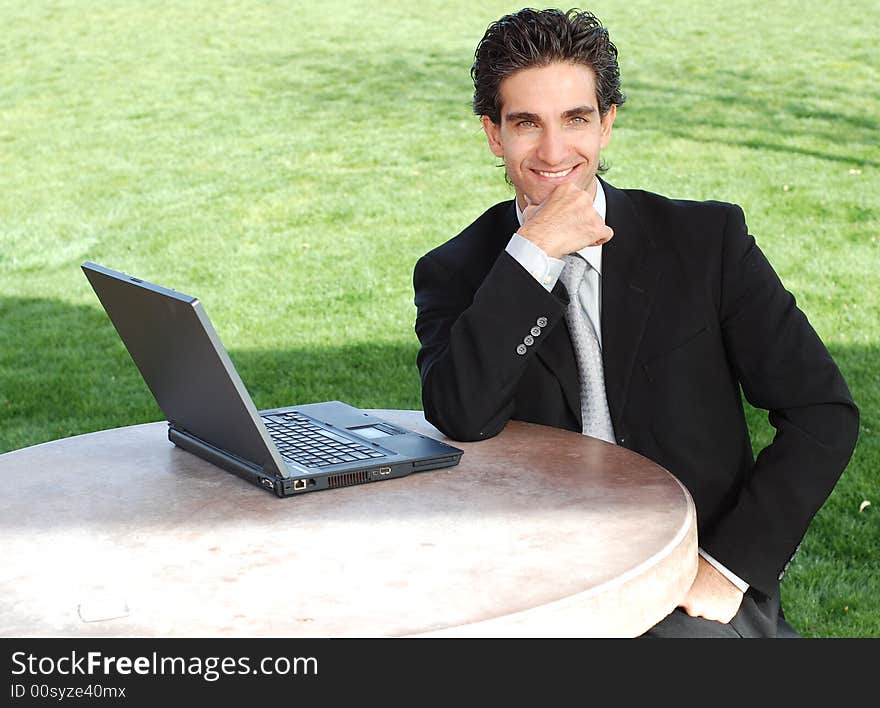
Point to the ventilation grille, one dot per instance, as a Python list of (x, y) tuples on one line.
[(346, 480)]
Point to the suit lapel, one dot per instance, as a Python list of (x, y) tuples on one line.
[(630, 275)]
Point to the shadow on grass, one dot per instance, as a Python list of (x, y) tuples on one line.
[(727, 111), (711, 116), (64, 371)]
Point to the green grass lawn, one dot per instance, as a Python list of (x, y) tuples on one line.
[(288, 162)]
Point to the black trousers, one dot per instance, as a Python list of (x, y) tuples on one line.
[(759, 616)]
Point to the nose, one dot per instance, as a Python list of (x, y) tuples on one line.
[(552, 147)]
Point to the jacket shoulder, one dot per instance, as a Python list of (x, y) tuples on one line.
[(679, 209), (687, 227)]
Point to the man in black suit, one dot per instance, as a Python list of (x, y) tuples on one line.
[(678, 301)]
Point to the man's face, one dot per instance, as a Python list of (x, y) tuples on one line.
[(550, 131)]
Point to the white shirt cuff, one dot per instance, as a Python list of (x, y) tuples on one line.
[(735, 579), (542, 267)]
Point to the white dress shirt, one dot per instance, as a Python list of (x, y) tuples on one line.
[(546, 271)]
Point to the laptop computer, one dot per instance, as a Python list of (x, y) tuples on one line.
[(290, 450)]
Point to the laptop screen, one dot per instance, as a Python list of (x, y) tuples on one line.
[(181, 359)]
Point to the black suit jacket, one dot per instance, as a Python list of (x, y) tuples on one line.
[(692, 313)]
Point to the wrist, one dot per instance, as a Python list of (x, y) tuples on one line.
[(529, 234)]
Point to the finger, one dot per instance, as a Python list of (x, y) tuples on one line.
[(727, 615), (605, 236), (555, 194), (531, 208)]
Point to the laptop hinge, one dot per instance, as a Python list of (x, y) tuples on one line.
[(242, 468)]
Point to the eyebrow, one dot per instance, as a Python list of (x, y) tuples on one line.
[(513, 117), (534, 117), (579, 111)]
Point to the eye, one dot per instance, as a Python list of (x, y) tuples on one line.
[(526, 124), (579, 120)]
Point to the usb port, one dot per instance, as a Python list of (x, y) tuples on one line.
[(383, 471)]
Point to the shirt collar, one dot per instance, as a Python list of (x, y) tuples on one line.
[(591, 254)]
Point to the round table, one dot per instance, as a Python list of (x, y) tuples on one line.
[(537, 532)]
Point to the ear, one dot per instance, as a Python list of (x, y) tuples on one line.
[(607, 123), (493, 135)]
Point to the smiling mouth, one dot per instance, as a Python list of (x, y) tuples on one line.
[(554, 175)]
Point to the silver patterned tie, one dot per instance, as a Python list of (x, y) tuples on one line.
[(594, 403)]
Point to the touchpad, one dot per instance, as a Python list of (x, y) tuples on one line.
[(377, 430)]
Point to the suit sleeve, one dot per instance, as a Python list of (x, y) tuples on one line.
[(785, 369), (473, 352)]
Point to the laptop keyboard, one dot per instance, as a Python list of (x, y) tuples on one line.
[(298, 439)]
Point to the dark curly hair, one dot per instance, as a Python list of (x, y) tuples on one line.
[(531, 38)]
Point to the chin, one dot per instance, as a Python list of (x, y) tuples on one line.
[(537, 192)]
